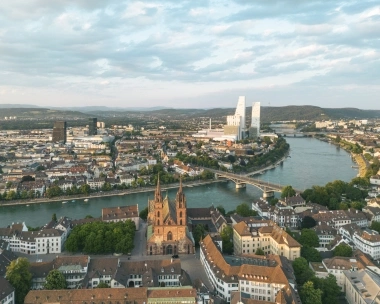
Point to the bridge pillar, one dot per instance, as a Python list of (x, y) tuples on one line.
[(240, 185), (268, 194)]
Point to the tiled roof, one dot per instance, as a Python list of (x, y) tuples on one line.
[(5, 289)]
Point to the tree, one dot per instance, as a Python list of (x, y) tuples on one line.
[(54, 217), (103, 285), (343, 250), (329, 287), (221, 210), (309, 295), (27, 178), (302, 270), (244, 210), (311, 254), (288, 191), (309, 238), (144, 213), (55, 280), (308, 222), (19, 276), (227, 237), (198, 233), (375, 226), (259, 251)]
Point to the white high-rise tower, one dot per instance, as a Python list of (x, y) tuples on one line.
[(254, 131), (237, 120)]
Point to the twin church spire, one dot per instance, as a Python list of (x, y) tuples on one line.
[(180, 197)]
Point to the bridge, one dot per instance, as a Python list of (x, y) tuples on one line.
[(241, 181)]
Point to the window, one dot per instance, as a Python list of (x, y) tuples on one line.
[(170, 236)]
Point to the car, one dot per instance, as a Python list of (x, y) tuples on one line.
[(175, 256)]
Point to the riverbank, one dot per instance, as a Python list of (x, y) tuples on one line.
[(359, 159), (106, 194)]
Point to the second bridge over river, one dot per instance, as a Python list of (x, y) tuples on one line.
[(241, 181)]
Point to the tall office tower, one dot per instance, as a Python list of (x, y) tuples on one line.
[(92, 126), (237, 121), (59, 131), (254, 130)]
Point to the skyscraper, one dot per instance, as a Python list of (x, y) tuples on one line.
[(92, 126), (254, 130), (59, 131), (236, 123)]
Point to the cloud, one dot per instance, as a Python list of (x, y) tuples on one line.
[(106, 48)]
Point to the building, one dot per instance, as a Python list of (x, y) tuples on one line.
[(254, 130), (122, 214), (142, 295), (362, 286), (74, 269), (7, 292), (45, 241), (92, 126), (59, 131), (271, 239), (260, 278), (167, 231), (236, 123)]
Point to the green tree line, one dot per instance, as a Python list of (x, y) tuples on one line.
[(102, 237)]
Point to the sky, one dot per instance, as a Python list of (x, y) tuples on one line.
[(190, 54)]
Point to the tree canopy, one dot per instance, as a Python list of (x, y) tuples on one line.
[(343, 250), (308, 238), (288, 191), (244, 210), (102, 237), (309, 295), (55, 280), (227, 237), (19, 276)]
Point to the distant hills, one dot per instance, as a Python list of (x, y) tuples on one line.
[(267, 113)]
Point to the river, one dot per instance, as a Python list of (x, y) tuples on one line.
[(311, 162)]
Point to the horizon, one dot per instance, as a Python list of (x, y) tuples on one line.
[(191, 54)]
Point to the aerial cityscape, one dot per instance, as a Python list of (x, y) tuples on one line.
[(189, 152)]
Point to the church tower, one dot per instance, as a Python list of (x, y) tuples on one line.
[(158, 205), (180, 202)]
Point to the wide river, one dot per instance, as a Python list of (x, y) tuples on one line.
[(311, 162)]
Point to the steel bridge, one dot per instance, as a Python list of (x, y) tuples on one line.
[(242, 180)]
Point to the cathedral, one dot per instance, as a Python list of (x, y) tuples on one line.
[(167, 231)]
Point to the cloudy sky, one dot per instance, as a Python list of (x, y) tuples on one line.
[(188, 54)]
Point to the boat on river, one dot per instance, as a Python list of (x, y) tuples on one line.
[(64, 202), (85, 200)]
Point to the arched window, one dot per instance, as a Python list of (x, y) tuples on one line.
[(170, 236), (158, 222), (180, 221), (158, 213), (180, 214)]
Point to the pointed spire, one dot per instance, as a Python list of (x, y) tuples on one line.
[(157, 193), (180, 184)]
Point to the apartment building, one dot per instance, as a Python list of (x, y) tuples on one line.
[(271, 239), (7, 292), (260, 278), (122, 214), (362, 286)]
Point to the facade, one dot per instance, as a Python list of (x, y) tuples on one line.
[(92, 126), (254, 130), (122, 214), (237, 120), (45, 241), (362, 286), (7, 292), (59, 131), (271, 239), (140, 295), (73, 268), (167, 231), (258, 277)]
